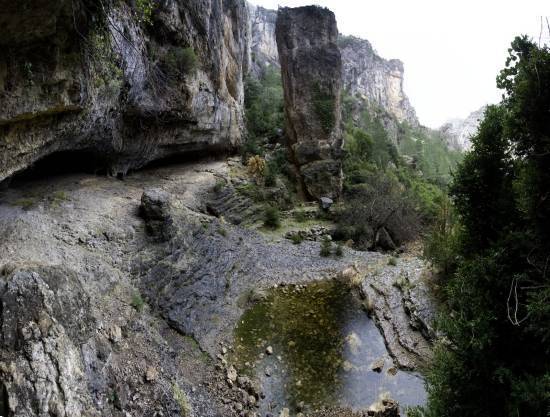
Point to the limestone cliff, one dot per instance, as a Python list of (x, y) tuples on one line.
[(376, 79), (263, 45), (457, 132), (123, 82), (311, 72)]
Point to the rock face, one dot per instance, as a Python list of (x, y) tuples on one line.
[(374, 78), (311, 72), (377, 80), (119, 84), (458, 132), (263, 45)]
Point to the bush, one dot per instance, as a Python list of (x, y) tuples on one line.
[(381, 203), (323, 104), (326, 248), (256, 166), (137, 302), (392, 261), (219, 186), (297, 239), (272, 218), (179, 62), (339, 252), (300, 216)]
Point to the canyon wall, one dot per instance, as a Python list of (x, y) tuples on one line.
[(127, 84), (458, 132), (377, 80)]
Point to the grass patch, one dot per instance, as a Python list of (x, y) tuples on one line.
[(25, 203), (181, 399)]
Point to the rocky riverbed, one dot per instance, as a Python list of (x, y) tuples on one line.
[(117, 303)]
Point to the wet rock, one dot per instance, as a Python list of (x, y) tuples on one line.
[(269, 350), (378, 365), (385, 407)]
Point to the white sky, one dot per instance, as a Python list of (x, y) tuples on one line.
[(452, 51)]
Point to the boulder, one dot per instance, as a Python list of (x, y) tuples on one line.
[(325, 203), (155, 209)]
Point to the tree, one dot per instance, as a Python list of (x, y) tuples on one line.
[(380, 205), (496, 310)]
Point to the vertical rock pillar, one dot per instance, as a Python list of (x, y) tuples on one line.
[(311, 69)]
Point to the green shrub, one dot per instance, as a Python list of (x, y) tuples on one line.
[(339, 251), (181, 399), (137, 302), (300, 216), (392, 261), (326, 247), (222, 232), (179, 62), (272, 218), (25, 203), (297, 239), (145, 10), (270, 178), (219, 186), (323, 104)]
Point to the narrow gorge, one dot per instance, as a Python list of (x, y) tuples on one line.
[(164, 253)]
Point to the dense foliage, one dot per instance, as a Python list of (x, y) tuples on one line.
[(264, 107), (496, 318), (386, 185)]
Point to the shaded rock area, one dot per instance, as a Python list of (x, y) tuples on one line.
[(311, 70), (125, 86), (102, 317)]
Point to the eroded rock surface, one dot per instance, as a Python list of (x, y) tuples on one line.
[(125, 86), (311, 69), (101, 318)]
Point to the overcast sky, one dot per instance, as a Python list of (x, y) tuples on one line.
[(452, 50)]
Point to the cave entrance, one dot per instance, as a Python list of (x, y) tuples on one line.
[(4, 401), (62, 163)]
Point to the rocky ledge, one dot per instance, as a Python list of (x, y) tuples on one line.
[(114, 302)]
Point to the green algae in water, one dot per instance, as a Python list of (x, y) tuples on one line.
[(323, 347), (304, 328)]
